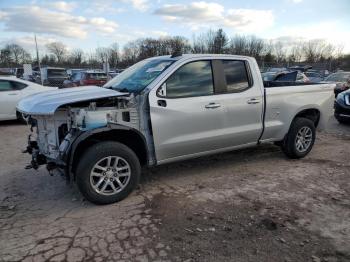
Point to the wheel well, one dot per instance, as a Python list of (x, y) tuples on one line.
[(312, 114), (130, 138)]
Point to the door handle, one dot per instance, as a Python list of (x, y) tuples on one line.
[(253, 101), (212, 105), (12, 94)]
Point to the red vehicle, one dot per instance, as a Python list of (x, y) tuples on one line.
[(86, 79)]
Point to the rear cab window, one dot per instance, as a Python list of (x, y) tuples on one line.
[(236, 75)]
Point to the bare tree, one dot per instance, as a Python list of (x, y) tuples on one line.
[(279, 52), (318, 50), (296, 53), (76, 56), (5, 56), (114, 55), (58, 49), (18, 54), (102, 54)]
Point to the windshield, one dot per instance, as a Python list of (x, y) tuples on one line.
[(140, 75), (338, 77)]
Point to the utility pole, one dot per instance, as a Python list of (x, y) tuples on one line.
[(37, 58)]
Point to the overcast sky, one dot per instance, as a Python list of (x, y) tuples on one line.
[(89, 24)]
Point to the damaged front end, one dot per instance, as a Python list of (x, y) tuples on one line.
[(67, 116)]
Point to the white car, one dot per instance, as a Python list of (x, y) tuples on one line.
[(12, 90)]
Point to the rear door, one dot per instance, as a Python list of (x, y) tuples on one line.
[(186, 115), (242, 99)]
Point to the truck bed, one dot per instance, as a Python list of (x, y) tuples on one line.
[(283, 102), (268, 84)]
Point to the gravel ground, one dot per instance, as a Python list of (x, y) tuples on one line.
[(249, 205)]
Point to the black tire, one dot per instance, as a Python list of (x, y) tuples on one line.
[(92, 156), (290, 146), (342, 120), (21, 118)]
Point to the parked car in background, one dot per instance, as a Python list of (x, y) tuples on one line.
[(18, 72), (52, 76), (314, 77), (286, 76), (276, 69), (12, 90), (73, 71), (95, 78), (342, 107), (341, 79), (300, 68)]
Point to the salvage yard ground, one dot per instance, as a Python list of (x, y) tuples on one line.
[(250, 205)]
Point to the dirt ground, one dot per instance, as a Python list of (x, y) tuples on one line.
[(249, 205)]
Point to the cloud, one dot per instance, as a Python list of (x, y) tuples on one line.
[(35, 19), (63, 6), (141, 5), (297, 1), (204, 14)]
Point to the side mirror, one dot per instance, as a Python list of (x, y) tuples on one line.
[(162, 90)]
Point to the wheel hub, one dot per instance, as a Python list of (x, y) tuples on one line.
[(110, 175), (303, 139)]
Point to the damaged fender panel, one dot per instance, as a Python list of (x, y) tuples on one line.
[(55, 135), (47, 103)]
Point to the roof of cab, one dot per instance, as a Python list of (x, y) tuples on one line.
[(189, 56)]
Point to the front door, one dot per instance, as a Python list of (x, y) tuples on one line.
[(186, 117)]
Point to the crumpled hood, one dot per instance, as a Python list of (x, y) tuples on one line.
[(46, 103)]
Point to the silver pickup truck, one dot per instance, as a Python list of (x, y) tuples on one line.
[(166, 109)]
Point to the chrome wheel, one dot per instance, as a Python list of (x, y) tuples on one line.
[(110, 175), (303, 139)]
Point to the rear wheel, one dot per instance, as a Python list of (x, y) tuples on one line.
[(300, 138), (108, 172)]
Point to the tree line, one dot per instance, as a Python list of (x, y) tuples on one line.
[(212, 41)]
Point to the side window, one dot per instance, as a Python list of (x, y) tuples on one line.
[(192, 79), (76, 77), (5, 86), (18, 85), (236, 75)]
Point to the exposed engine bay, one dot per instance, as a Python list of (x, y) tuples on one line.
[(52, 135)]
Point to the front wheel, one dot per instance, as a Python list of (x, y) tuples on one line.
[(300, 138), (108, 172)]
